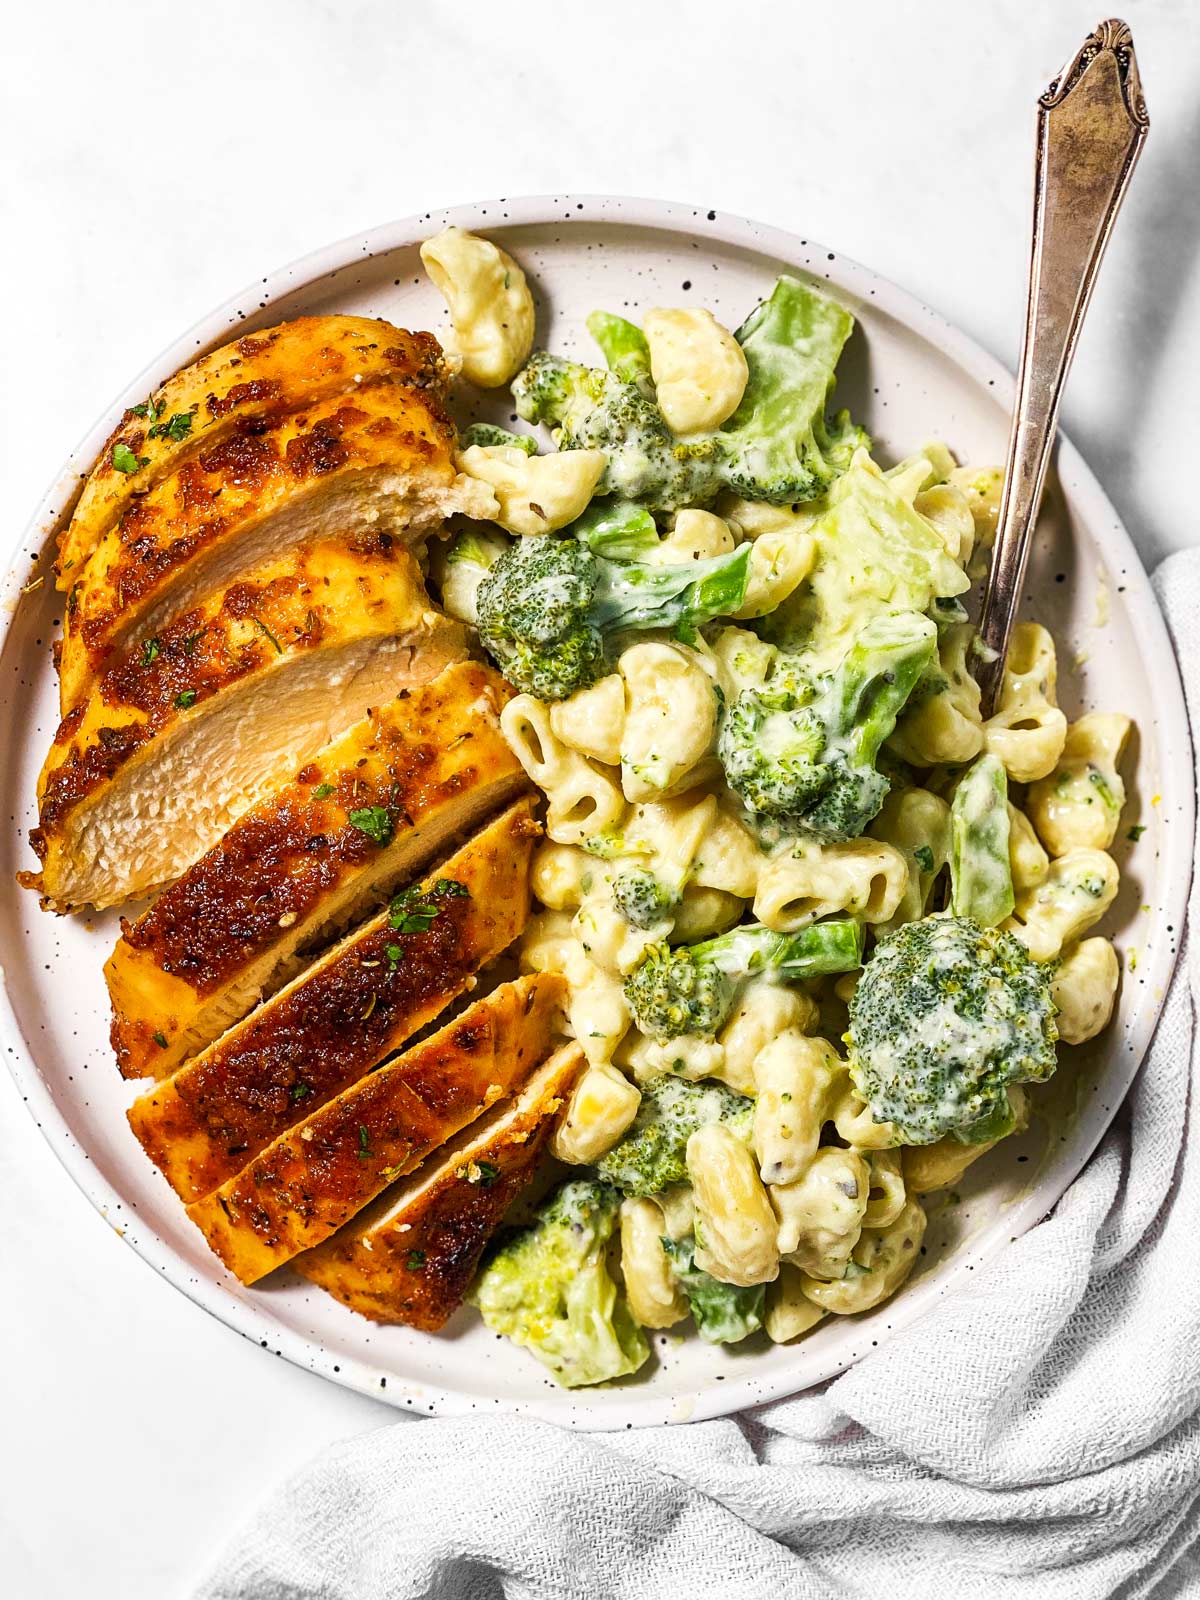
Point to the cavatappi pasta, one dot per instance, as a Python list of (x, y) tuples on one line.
[(655, 843)]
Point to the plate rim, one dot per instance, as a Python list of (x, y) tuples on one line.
[(634, 1408)]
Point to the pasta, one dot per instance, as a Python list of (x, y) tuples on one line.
[(1085, 989), (655, 1297), (670, 719), (765, 1012), (698, 367), (535, 494), (1075, 893), (862, 877), (1028, 731), (879, 1264), (735, 1225), (1080, 802), (789, 1312), (942, 722), (795, 1078), (583, 801), (592, 721), (602, 1105), (821, 1212), (491, 308)]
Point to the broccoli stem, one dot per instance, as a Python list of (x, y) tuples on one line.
[(487, 434), (821, 948), (618, 530), (981, 884), (624, 348), (637, 595)]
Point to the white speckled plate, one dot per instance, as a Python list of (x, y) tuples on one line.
[(908, 376)]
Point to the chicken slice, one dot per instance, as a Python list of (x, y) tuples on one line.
[(315, 1177), (198, 722), (258, 376), (356, 1005), (378, 460), (296, 868), (410, 1256)]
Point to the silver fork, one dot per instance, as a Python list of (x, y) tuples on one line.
[(1091, 126)]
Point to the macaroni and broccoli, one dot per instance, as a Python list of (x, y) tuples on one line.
[(821, 923)]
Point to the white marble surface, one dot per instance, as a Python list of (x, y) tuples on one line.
[(156, 158)]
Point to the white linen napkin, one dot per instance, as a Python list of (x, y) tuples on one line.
[(1037, 1434)]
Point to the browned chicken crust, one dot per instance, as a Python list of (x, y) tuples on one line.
[(357, 1004), (233, 391), (433, 760), (411, 1255), (315, 1177), (381, 457)]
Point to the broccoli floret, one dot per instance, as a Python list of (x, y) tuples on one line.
[(777, 446), (801, 751), (591, 409), (548, 1288), (624, 348), (693, 989), (487, 434), (723, 1312), (652, 1154), (944, 1018), (642, 899), (549, 607)]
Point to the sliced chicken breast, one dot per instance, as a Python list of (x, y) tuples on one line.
[(305, 1185), (410, 1256), (354, 1007), (198, 722), (258, 376), (298, 865), (378, 461)]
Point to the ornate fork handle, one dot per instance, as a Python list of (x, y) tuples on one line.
[(1091, 126)]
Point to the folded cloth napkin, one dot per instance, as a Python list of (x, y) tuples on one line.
[(1037, 1434)]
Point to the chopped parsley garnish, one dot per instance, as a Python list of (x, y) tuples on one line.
[(450, 888), (186, 699), (150, 649), (364, 1140), (415, 1261), (923, 856), (177, 428), (482, 1173), (394, 954), (375, 822), (1136, 832), (151, 409), (192, 640), (322, 791), (124, 459), (299, 1091), (160, 1040)]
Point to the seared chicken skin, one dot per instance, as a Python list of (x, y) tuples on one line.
[(338, 1020), (315, 1177), (234, 391), (197, 723), (295, 866), (410, 1256), (378, 460)]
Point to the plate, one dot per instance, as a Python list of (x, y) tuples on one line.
[(909, 377)]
